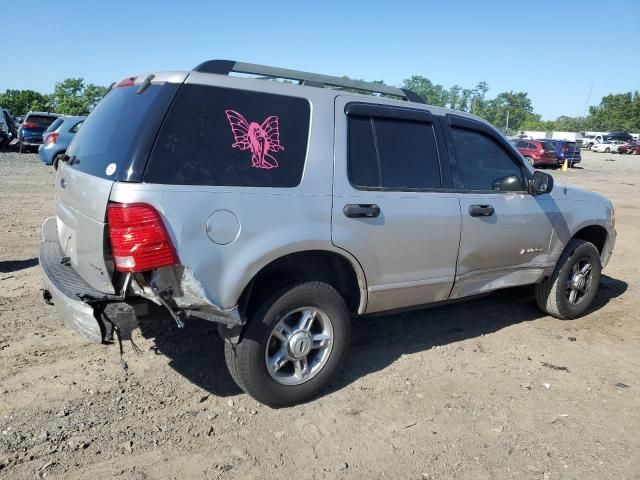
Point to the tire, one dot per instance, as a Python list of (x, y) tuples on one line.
[(247, 360), (590, 146), (607, 150), (56, 160), (530, 160), (229, 354), (553, 295)]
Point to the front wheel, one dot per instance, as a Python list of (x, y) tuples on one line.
[(607, 150), (294, 345), (570, 290)]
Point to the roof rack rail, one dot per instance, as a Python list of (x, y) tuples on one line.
[(224, 67)]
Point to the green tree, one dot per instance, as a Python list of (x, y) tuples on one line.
[(433, 94), (569, 124), (534, 122), (508, 107), (477, 101), (19, 102), (616, 112), (73, 97)]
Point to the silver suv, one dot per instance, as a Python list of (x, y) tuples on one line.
[(280, 210)]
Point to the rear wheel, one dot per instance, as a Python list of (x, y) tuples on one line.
[(570, 290), (293, 345), (607, 150), (56, 160)]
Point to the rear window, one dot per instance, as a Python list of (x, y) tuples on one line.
[(115, 139), (55, 125), (227, 137), (43, 121)]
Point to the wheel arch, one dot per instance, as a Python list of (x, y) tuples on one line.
[(596, 234), (337, 269)]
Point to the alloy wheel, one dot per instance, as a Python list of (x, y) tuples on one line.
[(299, 346), (579, 281)]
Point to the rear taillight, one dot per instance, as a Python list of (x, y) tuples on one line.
[(29, 125), (565, 148), (139, 239), (52, 138), (126, 82)]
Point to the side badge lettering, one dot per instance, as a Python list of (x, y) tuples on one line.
[(261, 139)]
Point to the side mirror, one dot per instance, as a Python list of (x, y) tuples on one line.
[(540, 183), (511, 183)]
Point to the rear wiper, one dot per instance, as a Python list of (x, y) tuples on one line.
[(145, 84)]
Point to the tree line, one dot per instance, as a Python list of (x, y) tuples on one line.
[(509, 111), (70, 97)]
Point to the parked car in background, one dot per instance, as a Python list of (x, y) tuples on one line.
[(31, 130), (608, 146), (630, 148), (539, 153), (7, 128), (624, 136), (593, 140), (587, 141), (566, 150), (57, 137)]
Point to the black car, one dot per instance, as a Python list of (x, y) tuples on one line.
[(624, 136)]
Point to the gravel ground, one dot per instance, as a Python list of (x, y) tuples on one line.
[(489, 388)]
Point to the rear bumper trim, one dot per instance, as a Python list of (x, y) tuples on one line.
[(69, 292)]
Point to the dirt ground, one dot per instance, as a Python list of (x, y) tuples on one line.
[(488, 389)]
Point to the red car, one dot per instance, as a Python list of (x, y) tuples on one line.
[(631, 148), (538, 153)]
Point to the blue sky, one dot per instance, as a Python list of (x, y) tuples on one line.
[(553, 50)]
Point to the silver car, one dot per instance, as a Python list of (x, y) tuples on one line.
[(279, 211)]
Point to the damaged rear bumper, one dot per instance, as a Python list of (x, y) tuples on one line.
[(73, 298), (93, 313)]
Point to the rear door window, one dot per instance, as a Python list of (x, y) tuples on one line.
[(226, 137), (392, 154)]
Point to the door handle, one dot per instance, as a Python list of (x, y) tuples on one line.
[(353, 210), (481, 210)]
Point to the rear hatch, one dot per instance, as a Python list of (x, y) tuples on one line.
[(113, 145), (571, 150), (52, 128), (35, 125)]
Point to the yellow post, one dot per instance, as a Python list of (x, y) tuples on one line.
[(565, 166)]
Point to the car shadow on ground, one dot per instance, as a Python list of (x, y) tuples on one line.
[(197, 352), (10, 266)]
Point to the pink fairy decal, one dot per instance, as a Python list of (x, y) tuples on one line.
[(261, 139)]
